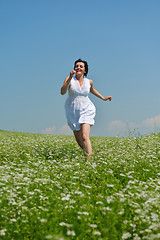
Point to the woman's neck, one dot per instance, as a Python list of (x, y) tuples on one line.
[(80, 78)]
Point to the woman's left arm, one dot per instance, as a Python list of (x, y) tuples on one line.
[(97, 94)]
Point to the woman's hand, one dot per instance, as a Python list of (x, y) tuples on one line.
[(67, 81), (72, 73), (107, 98)]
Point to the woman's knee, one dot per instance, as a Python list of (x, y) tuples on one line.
[(85, 131), (85, 135), (78, 138)]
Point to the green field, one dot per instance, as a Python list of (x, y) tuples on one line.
[(49, 192)]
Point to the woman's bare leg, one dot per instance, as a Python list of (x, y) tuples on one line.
[(82, 138), (78, 137), (85, 136)]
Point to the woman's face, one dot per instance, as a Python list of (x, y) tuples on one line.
[(80, 68)]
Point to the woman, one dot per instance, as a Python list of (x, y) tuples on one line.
[(80, 111)]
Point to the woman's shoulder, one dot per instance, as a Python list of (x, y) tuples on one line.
[(90, 81)]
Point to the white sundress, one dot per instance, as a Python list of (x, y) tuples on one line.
[(78, 107)]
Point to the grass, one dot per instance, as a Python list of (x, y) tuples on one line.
[(49, 192)]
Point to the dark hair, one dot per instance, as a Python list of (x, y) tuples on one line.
[(85, 65)]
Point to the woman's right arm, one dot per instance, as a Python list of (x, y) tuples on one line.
[(66, 83)]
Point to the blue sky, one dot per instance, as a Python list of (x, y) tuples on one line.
[(40, 40)]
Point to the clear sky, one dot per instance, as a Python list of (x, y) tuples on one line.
[(39, 42)]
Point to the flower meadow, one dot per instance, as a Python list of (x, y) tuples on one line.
[(49, 192)]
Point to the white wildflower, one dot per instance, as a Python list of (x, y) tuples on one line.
[(13, 220), (107, 209), (99, 202), (31, 193), (138, 210), (49, 237), (94, 165), (155, 217), (121, 212), (93, 225), (3, 232), (43, 220), (24, 208), (136, 237), (66, 198), (83, 213), (97, 233), (110, 185), (72, 201), (65, 224), (122, 175), (87, 186), (78, 192), (148, 230), (76, 177), (126, 235), (125, 221), (26, 179), (71, 233)]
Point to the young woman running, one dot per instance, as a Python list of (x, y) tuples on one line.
[(79, 109)]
